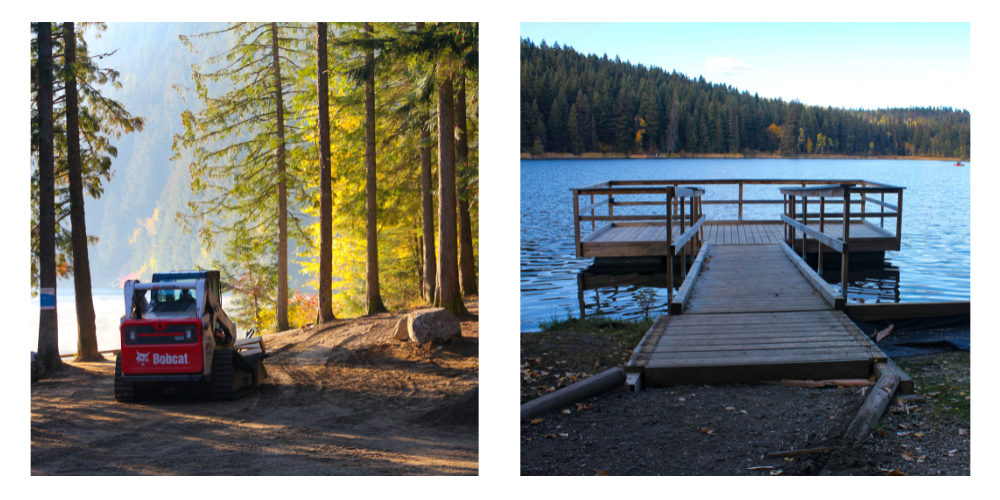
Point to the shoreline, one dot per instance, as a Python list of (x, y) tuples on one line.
[(728, 156)]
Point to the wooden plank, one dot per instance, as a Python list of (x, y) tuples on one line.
[(688, 234), (784, 347), (829, 190), (684, 292), (663, 376), (597, 234), (617, 218), (594, 206), (824, 288), (900, 310), (881, 204), (824, 238), (751, 356)]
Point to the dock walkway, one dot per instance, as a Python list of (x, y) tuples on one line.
[(752, 315)]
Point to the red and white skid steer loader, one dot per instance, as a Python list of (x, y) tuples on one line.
[(180, 338)]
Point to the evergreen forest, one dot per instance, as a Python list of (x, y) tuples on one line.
[(573, 103), (327, 169)]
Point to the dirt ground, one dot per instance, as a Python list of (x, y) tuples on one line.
[(729, 430), (343, 399)]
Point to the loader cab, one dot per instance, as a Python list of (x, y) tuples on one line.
[(212, 277)]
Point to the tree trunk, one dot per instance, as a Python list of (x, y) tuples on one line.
[(427, 205), (447, 294), (281, 308), (466, 257), (48, 332), (325, 197), (374, 298), (86, 326)]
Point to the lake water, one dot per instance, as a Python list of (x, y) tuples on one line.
[(932, 265), (109, 306)]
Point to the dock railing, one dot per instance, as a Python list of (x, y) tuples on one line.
[(839, 193), (686, 209), (639, 187)]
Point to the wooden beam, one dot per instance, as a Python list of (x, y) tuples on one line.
[(817, 191), (576, 222), (827, 240), (594, 206), (873, 408), (633, 190), (688, 233), (880, 203), (888, 367), (684, 292), (824, 288), (689, 192), (903, 310)]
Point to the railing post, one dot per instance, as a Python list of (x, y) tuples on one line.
[(683, 248), (593, 223), (864, 201), (741, 201), (819, 244), (576, 221), (846, 255), (791, 215), (805, 222), (670, 245), (881, 219), (899, 219)]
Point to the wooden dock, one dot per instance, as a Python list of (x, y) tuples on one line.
[(752, 315), (749, 308)]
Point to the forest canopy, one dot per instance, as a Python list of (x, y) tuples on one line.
[(575, 103)]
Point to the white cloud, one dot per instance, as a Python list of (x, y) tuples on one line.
[(724, 66)]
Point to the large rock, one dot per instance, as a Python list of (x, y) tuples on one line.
[(433, 325), (402, 332)]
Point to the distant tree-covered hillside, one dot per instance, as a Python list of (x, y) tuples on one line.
[(572, 103)]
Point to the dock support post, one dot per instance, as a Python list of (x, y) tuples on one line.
[(576, 221), (593, 223), (791, 215), (683, 248), (819, 244), (846, 256), (881, 209), (899, 218), (670, 245), (805, 222), (741, 201)]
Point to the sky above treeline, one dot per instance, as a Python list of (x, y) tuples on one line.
[(849, 65)]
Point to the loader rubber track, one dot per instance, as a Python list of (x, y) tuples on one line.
[(124, 391), (228, 380)]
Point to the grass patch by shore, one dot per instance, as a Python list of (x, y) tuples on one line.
[(944, 381)]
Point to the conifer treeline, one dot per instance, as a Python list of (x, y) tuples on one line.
[(572, 103)]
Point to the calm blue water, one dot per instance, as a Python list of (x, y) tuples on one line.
[(932, 265), (109, 306)]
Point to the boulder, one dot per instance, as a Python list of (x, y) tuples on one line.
[(402, 332), (433, 325)]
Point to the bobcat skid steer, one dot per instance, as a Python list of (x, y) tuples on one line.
[(180, 338)]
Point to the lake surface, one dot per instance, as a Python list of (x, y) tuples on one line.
[(109, 306), (932, 265)]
